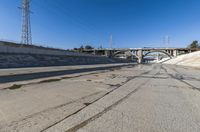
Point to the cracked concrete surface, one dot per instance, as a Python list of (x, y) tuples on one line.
[(133, 98)]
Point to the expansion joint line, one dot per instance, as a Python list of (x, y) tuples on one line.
[(95, 100), (181, 79), (84, 123)]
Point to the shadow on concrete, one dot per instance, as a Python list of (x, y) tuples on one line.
[(30, 76)]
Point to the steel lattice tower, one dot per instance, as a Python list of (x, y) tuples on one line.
[(111, 41), (26, 37)]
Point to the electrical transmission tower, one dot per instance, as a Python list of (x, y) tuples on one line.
[(167, 41), (111, 41), (26, 37)]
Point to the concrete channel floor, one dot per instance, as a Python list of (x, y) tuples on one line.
[(132, 98)]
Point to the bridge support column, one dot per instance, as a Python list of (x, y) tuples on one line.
[(175, 53), (172, 53), (140, 56), (132, 55), (168, 51), (107, 53), (95, 52)]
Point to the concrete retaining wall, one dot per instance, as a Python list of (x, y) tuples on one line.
[(33, 60), (13, 55), (9, 47)]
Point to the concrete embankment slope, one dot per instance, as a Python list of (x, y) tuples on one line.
[(191, 59), (31, 60), (14, 55)]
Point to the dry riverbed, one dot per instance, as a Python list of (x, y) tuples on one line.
[(131, 98)]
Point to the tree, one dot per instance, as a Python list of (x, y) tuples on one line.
[(81, 48), (194, 44), (88, 47)]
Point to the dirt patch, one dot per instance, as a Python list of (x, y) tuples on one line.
[(50, 80), (72, 77), (15, 86), (115, 85), (87, 104)]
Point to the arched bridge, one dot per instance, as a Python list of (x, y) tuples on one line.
[(164, 52), (140, 53)]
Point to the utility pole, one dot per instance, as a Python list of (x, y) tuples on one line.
[(26, 37)]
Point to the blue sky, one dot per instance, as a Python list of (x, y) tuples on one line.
[(132, 23)]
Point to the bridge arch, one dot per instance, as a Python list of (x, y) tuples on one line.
[(122, 52), (118, 52), (157, 51)]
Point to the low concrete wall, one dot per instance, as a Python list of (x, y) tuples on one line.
[(9, 47)]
